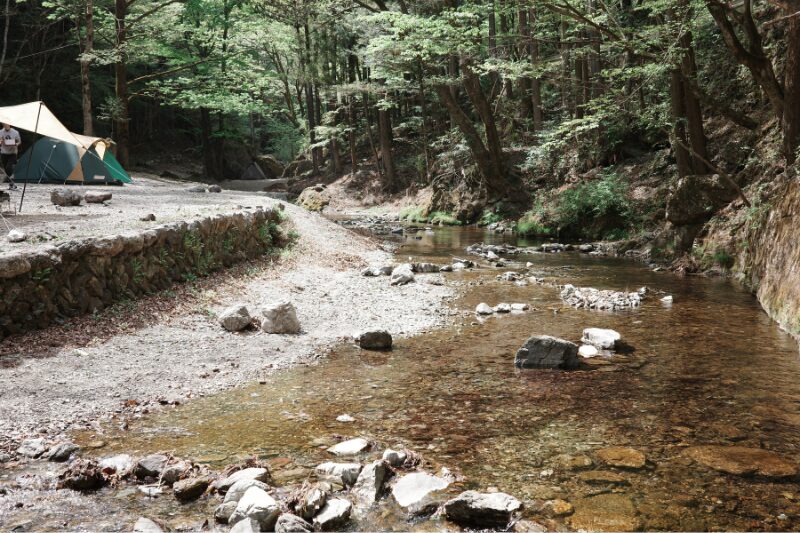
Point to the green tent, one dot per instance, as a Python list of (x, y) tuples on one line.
[(53, 161)]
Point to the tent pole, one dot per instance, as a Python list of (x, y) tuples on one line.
[(30, 157)]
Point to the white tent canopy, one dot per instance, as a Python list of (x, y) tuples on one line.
[(37, 118)]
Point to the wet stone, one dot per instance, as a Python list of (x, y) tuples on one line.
[(150, 466), (62, 452), (145, 525), (190, 489), (602, 339), (544, 351), (411, 490), (472, 508), (335, 513), (605, 512), (557, 508), (602, 477), (349, 447), (484, 309), (289, 523), (573, 462), (622, 457), (237, 490), (743, 461), (346, 473)]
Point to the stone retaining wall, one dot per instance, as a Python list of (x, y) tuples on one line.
[(83, 276)]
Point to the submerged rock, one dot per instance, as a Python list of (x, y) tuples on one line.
[(335, 513), (622, 457), (587, 350), (603, 339), (472, 508), (349, 447), (279, 317), (743, 461), (602, 477), (375, 340), (544, 351), (235, 318), (605, 512)]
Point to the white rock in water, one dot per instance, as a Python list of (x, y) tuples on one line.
[(520, 307), (259, 474), (257, 505), (120, 464), (502, 308), (587, 350), (16, 235), (350, 447), (239, 489), (604, 339), (484, 309), (490, 255), (279, 318), (345, 418), (667, 299), (369, 485), (394, 457), (145, 525), (412, 489), (482, 510), (335, 512), (346, 472)]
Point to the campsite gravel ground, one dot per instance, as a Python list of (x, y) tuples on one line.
[(75, 382)]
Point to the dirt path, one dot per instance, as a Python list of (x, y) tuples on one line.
[(184, 353)]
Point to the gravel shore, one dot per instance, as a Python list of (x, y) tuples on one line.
[(183, 352)]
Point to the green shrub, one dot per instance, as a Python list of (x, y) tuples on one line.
[(595, 208), (413, 213), (723, 258), (440, 217)]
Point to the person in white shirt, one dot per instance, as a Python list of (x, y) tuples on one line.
[(10, 141)]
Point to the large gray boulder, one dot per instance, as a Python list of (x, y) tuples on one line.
[(235, 318), (279, 317), (544, 351), (256, 505), (482, 510), (65, 197)]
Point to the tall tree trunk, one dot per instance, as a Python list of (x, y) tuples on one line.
[(121, 121), (682, 157), (86, 85), (526, 101), (536, 85), (791, 112), (351, 135), (385, 141), (472, 85), (694, 113)]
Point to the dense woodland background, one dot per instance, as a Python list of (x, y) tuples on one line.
[(491, 104)]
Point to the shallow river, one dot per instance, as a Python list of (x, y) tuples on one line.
[(709, 369)]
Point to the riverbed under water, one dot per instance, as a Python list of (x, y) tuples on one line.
[(709, 369)]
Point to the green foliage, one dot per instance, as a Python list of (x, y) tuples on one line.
[(42, 275), (414, 213), (440, 217), (723, 259), (528, 227), (602, 201), (137, 268)]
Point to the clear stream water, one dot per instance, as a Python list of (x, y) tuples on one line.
[(710, 369)]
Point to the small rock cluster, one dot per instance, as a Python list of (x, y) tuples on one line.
[(406, 272), (276, 317), (601, 300), (485, 309), (67, 197), (544, 351)]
